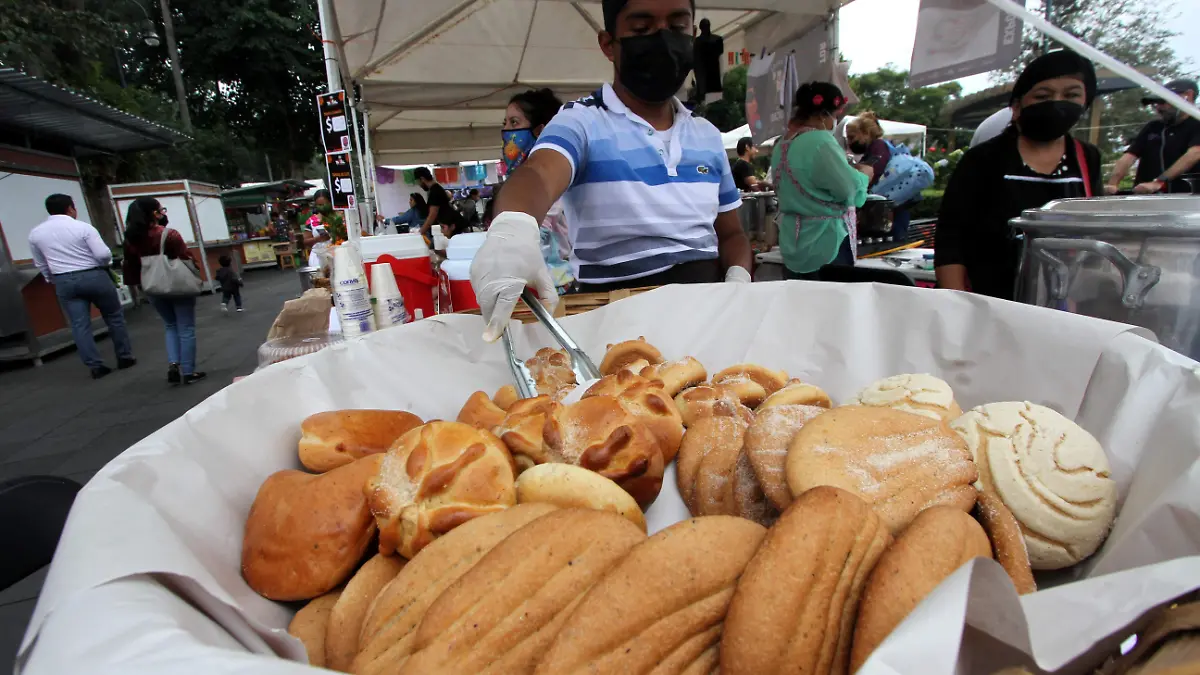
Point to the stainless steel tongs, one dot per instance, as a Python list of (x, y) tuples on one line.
[(584, 369)]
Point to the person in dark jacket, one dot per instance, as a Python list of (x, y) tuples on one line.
[(1034, 161), (230, 283), (146, 233)]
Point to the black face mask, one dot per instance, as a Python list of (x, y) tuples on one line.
[(163, 221), (654, 66), (859, 148), (1048, 120)]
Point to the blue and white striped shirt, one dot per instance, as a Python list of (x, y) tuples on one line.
[(641, 201)]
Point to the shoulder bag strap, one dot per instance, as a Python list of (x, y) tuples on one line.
[(1081, 157)]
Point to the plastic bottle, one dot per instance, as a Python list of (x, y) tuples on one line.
[(351, 296), (386, 298)]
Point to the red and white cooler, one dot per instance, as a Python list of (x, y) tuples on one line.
[(455, 272), (408, 257)]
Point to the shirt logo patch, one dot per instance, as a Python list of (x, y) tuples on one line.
[(702, 169)]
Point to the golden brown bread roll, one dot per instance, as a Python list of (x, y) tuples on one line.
[(939, 541), (306, 533), (798, 393), (614, 385), (794, 607), (766, 446), (676, 375), (346, 617), (648, 402), (699, 402), (713, 492), (505, 396), (551, 370), (632, 621), (725, 429), (435, 478), (898, 462), (521, 430), (770, 380), (623, 354), (480, 412), (336, 438), (600, 435), (393, 617), (309, 624), (569, 486), (500, 617), (1008, 544)]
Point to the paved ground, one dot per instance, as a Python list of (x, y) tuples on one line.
[(56, 420)]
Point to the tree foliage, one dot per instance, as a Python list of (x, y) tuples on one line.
[(886, 93), (729, 113)]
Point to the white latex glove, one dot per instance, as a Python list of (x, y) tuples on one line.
[(509, 260), (737, 275)]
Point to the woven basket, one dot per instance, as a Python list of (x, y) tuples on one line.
[(570, 305)]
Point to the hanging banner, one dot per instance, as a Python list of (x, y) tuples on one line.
[(772, 80), (335, 127), (341, 180), (958, 38)]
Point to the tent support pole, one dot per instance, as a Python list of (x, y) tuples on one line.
[(372, 190), (333, 79)]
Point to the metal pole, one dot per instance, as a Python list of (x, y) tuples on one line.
[(1048, 4), (185, 118), (372, 190), (369, 217), (333, 79), (267, 159)]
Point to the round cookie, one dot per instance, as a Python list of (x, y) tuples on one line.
[(435, 478), (898, 462), (1051, 473), (570, 486), (767, 442), (921, 394), (798, 393)]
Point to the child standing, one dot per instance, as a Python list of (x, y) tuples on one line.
[(230, 284)]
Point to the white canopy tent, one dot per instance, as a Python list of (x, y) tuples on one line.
[(911, 134), (436, 76)]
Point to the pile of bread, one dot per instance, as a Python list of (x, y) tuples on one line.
[(513, 540)]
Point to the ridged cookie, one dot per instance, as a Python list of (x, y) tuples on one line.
[(635, 622), (939, 541), (500, 617), (309, 625), (898, 462), (766, 446), (388, 630), (794, 607), (1008, 544), (346, 618)]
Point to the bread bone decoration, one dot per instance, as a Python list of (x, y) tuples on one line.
[(676, 375), (336, 438), (1051, 473), (921, 394), (521, 430), (551, 371), (645, 399), (435, 478)]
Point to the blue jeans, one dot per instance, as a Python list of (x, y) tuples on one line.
[(179, 315), (901, 218), (78, 291)]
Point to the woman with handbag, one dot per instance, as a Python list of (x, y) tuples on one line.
[(158, 260)]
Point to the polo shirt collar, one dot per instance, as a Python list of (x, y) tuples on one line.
[(614, 103)]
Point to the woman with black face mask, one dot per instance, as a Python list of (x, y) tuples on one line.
[(1033, 162)]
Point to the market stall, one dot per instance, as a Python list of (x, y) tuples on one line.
[(193, 209), (258, 219)]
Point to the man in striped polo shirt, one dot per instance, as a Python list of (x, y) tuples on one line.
[(648, 194)]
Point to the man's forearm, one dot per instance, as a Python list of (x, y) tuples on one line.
[(1183, 164), (733, 246), (1121, 168), (953, 277)]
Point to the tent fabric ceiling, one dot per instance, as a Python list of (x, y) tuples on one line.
[(436, 76)]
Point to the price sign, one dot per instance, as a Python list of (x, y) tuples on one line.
[(341, 180), (335, 129)]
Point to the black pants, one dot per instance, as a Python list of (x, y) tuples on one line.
[(236, 294), (695, 272)]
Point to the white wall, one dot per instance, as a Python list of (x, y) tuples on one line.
[(23, 206), (177, 215)]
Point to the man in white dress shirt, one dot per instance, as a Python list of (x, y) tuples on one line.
[(73, 257)]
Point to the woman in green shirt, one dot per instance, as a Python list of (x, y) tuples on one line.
[(818, 189)]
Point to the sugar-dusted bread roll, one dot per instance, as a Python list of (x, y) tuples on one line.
[(766, 446), (1008, 544), (939, 541), (388, 631), (645, 399), (771, 381), (1051, 473), (481, 412), (551, 370), (309, 624), (435, 478), (346, 617), (599, 434), (570, 486), (502, 615), (505, 396), (677, 375), (306, 533), (521, 430), (725, 431), (713, 493), (749, 500), (336, 438), (699, 402), (623, 354), (635, 622), (898, 462), (798, 393), (794, 607), (921, 394)]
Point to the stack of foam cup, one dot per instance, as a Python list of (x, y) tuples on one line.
[(386, 298), (351, 296)]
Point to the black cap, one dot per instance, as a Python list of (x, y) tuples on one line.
[(1178, 86)]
